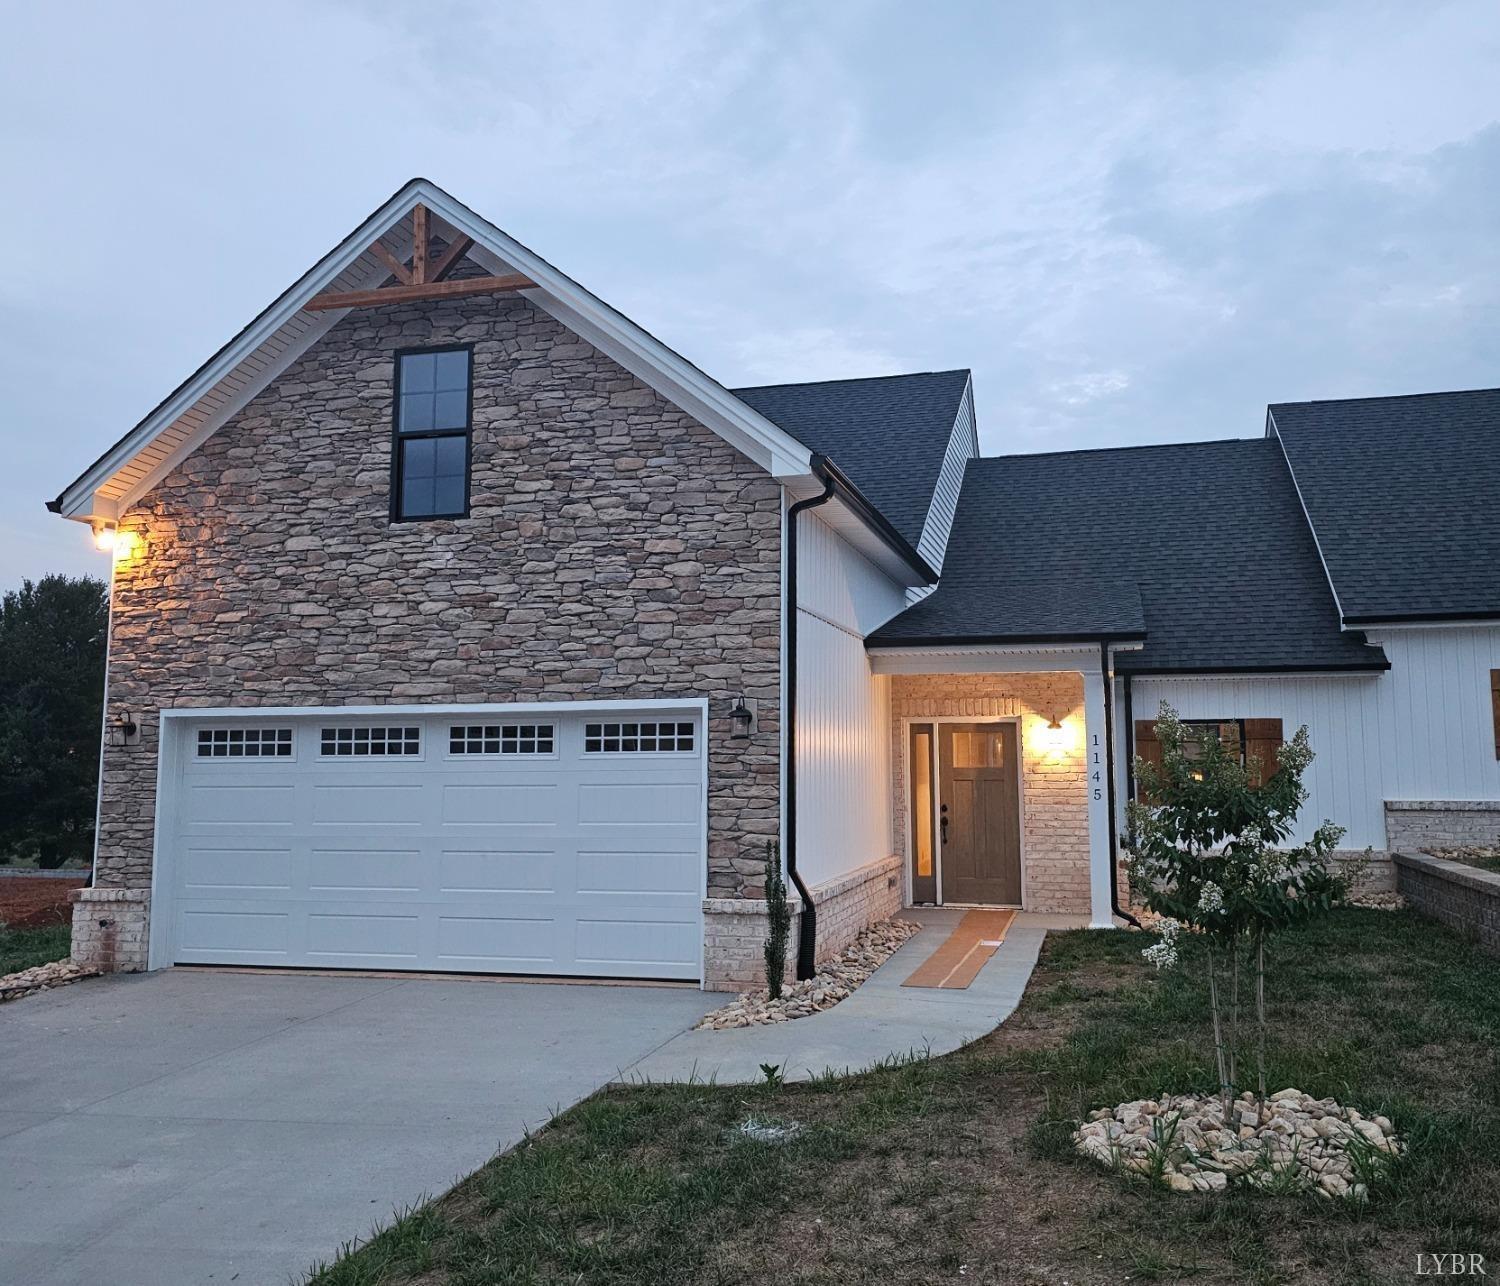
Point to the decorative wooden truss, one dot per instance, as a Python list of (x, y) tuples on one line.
[(423, 278)]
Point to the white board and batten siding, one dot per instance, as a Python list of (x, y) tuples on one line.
[(843, 710), (535, 840), (963, 446), (1423, 730)]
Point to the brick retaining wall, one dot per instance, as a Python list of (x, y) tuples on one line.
[(1462, 897)]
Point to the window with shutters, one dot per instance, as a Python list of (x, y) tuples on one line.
[(1253, 742), (1495, 707)]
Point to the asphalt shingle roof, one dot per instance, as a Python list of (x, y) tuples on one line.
[(1201, 546), (1404, 494), (888, 434)]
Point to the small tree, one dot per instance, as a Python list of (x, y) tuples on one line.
[(779, 920), (1208, 851), (52, 641)]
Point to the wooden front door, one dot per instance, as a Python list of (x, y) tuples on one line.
[(979, 813)]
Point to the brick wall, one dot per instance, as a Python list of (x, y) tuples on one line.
[(1414, 825), (736, 928), (1462, 897), (1054, 799), (615, 547)]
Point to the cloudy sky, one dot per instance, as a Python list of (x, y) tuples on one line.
[(1135, 221)]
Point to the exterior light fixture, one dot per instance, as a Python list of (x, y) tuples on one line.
[(1054, 735), (741, 719), (105, 535), (125, 731)]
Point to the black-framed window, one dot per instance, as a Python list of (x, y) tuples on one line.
[(430, 455)]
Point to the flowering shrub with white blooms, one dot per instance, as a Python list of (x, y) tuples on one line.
[(1209, 850), (1163, 952)]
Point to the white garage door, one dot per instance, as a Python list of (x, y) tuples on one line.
[(484, 842)]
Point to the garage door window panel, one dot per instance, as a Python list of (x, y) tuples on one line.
[(369, 742), (244, 743), (477, 739), (636, 737)]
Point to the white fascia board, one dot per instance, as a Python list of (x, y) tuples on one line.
[(640, 353), (1255, 676), (1472, 623), (983, 659), (315, 280), (852, 527)]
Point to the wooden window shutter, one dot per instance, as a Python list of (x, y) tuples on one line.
[(1146, 745), (1495, 707), (1262, 740)]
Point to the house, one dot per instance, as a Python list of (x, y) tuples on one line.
[(457, 623)]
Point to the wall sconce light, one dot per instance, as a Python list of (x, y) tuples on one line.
[(109, 539), (741, 719), (1054, 736), (124, 730)]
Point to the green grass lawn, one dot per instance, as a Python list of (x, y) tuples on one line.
[(960, 1169), (23, 948)]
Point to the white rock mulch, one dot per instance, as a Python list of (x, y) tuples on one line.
[(41, 978), (1301, 1143), (1378, 901), (835, 980)]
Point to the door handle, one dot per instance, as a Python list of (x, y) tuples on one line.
[(943, 823)]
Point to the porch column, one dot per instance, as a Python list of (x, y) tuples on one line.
[(1096, 780)]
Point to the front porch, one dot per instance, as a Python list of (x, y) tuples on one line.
[(1001, 778)]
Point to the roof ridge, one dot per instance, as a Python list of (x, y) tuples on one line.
[(1381, 397), (1120, 450), (851, 379)]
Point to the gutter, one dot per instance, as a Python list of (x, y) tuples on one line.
[(831, 475), (807, 936), (1109, 764)]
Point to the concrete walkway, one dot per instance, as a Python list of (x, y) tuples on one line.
[(881, 1021), (182, 1128)]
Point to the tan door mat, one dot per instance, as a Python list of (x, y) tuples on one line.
[(956, 963)]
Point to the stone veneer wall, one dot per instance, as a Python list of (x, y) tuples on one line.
[(1054, 797), (1462, 897), (615, 547), (1416, 825), (735, 928)]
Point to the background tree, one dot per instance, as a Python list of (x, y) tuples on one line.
[(52, 645)]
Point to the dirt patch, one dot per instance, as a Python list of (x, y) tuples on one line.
[(32, 901)]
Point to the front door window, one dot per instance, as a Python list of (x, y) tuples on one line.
[(923, 841)]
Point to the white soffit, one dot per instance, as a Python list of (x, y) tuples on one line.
[(276, 338)]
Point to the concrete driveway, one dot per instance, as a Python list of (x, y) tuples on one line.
[(191, 1127)]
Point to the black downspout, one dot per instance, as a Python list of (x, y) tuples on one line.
[(1109, 761), (807, 937), (1129, 738)]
